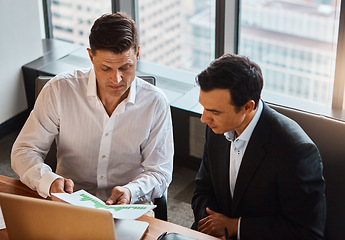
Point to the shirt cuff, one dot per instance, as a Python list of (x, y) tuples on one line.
[(45, 182), (135, 193), (238, 229)]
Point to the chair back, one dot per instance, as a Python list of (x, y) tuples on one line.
[(329, 136)]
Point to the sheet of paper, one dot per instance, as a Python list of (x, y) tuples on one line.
[(2, 221), (85, 199)]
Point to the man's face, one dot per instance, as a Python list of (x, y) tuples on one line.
[(114, 72), (219, 114)]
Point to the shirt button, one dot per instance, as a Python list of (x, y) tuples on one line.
[(101, 177), (106, 134), (103, 156)]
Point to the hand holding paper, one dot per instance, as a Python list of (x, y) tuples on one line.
[(119, 195), (124, 211)]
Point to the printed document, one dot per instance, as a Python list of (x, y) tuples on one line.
[(124, 211)]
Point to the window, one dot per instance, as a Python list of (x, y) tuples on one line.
[(72, 19), (178, 33), (294, 42)]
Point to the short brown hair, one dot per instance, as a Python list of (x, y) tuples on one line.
[(113, 32)]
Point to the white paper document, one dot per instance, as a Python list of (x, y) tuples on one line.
[(124, 211)]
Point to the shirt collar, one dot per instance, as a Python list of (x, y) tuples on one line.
[(91, 84), (247, 133), (132, 92), (92, 88)]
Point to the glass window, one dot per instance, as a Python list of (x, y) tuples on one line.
[(177, 33), (72, 19), (294, 42)]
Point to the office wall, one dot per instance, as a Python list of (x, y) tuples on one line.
[(20, 43)]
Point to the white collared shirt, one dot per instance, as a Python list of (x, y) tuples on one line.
[(132, 148), (237, 150), (238, 147)]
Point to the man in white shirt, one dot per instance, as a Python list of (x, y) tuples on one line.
[(261, 175), (113, 130)]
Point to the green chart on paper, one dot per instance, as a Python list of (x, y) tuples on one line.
[(100, 205)]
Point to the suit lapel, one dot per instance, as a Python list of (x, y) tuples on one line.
[(224, 166), (252, 158)]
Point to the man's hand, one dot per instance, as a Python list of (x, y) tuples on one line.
[(61, 185), (119, 195), (215, 223)]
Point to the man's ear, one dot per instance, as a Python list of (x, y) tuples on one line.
[(90, 54), (138, 52), (249, 106)]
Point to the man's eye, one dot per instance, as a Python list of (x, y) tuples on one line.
[(124, 68), (105, 69)]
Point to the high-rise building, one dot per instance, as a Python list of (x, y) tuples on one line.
[(161, 32), (178, 34), (72, 20), (293, 42)]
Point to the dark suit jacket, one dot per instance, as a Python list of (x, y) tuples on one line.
[(279, 191)]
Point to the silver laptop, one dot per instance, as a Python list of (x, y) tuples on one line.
[(32, 218)]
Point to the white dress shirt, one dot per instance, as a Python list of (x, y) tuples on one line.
[(237, 149), (131, 148)]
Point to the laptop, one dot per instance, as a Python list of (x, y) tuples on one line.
[(31, 218)]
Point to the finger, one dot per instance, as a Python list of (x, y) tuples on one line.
[(209, 211), (206, 229), (201, 227), (125, 197), (57, 186), (119, 195), (202, 221), (110, 201), (210, 229), (122, 200), (113, 198), (69, 185)]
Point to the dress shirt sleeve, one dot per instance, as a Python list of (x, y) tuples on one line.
[(34, 141), (157, 152), (238, 229)]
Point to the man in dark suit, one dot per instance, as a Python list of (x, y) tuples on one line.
[(261, 175)]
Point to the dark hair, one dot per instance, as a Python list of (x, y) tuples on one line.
[(237, 73), (113, 32)]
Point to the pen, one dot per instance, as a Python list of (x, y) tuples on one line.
[(226, 234)]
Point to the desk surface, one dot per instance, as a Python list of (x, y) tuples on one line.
[(156, 226)]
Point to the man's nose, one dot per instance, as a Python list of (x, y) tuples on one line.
[(204, 117), (117, 78)]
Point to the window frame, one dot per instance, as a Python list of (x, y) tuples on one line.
[(339, 75), (227, 39), (48, 26), (336, 110)]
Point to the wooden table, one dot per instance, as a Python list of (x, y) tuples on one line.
[(156, 226)]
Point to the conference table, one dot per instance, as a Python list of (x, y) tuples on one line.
[(156, 226)]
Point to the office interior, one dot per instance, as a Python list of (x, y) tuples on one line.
[(302, 63)]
